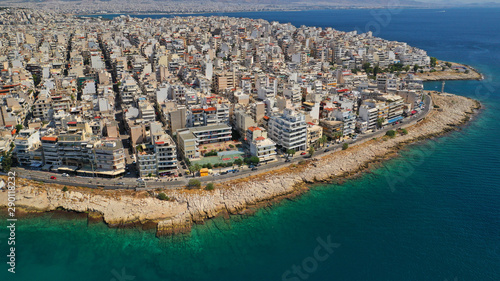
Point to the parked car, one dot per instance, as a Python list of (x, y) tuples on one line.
[(120, 183), (303, 153), (65, 175), (254, 169), (327, 150), (287, 160), (53, 178)]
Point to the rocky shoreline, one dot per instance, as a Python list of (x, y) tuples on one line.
[(239, 196)]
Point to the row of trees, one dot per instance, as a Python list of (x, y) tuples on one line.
[(254, 160), (396, 67)]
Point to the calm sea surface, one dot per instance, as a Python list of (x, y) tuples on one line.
[(431, 214)]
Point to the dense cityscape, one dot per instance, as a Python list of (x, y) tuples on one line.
[(175, 96)]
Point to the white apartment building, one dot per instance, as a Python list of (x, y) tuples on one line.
[(289, 130), (27, 142)]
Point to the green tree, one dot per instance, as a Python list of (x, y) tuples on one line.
[(6, 161), (64, 189), (433, 61), (238, 162), (311, 151), (322, 140), (291, 152), (391, 133), (194, 183), (19, 127), (337, 135), (210, 186), (415, 68), (194, 168), (163, 196), (366, 66), (254, 160), (404, 131), (345, 146), (380, 122)]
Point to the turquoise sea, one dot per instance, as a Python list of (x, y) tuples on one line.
[(431, 214)]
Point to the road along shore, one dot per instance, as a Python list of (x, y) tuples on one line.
[(239, 196)]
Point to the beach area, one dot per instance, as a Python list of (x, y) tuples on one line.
[(119, 208)]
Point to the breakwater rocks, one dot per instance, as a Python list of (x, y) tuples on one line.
[(239, 196)]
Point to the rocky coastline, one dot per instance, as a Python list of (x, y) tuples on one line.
[(238, 196)]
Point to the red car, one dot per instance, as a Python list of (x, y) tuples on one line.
[(53, 178), (303, 153)]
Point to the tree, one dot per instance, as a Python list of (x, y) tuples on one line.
[(238, 162), (448, 64), (376, 70), (194, 168), (194, 183), (19, 127), (64, 189), (290, 152), (433, 61), (209, 166), (404, 131), (254, 160), (6, 161), (338, 135), (366, 66), (415, 68), (322, 140), (380, 122), (311, 151), (391, 133), (345, 146), (210, 186), (163, 196)]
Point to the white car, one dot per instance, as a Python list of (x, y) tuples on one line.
[(65, 175)]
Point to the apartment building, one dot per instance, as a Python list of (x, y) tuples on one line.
[(332, 128), (27, 147), (109, 158), (289, 130), (314, 133), (260, 145)]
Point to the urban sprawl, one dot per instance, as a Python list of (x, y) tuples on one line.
[(191, 95)]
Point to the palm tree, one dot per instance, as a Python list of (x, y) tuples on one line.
[(322, 140), (311, 151)]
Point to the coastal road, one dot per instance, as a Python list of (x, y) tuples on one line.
[(176, 183)]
